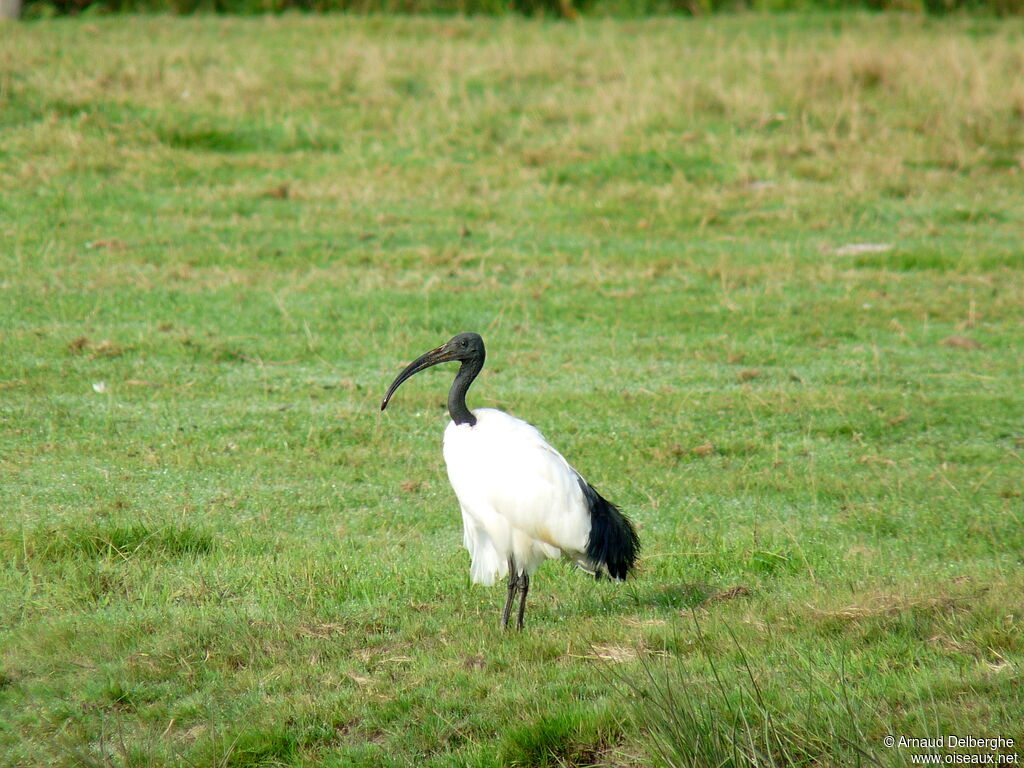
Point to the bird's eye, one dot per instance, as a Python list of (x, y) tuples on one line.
[(464, 342)]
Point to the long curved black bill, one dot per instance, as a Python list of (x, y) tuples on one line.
[(433, 357)]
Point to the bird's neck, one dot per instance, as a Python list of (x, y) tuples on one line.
[(457, 394)]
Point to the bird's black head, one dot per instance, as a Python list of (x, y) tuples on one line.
[(467, 348)]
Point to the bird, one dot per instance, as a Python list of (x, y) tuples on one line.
[(522, 503)]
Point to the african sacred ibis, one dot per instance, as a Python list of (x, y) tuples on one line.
[(522, 503)]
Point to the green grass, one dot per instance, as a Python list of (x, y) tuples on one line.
[(221, 239)]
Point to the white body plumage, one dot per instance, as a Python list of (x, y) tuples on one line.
[(519, 496)]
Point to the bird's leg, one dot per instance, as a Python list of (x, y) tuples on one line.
[(513, 584), (524, 587)]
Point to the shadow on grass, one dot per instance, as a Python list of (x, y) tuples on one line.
[(684, 596)]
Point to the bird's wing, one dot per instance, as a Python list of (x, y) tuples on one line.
[(506, 474)]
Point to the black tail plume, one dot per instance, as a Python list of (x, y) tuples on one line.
[(613, 543)]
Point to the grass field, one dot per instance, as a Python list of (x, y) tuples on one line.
[(760, 279)]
